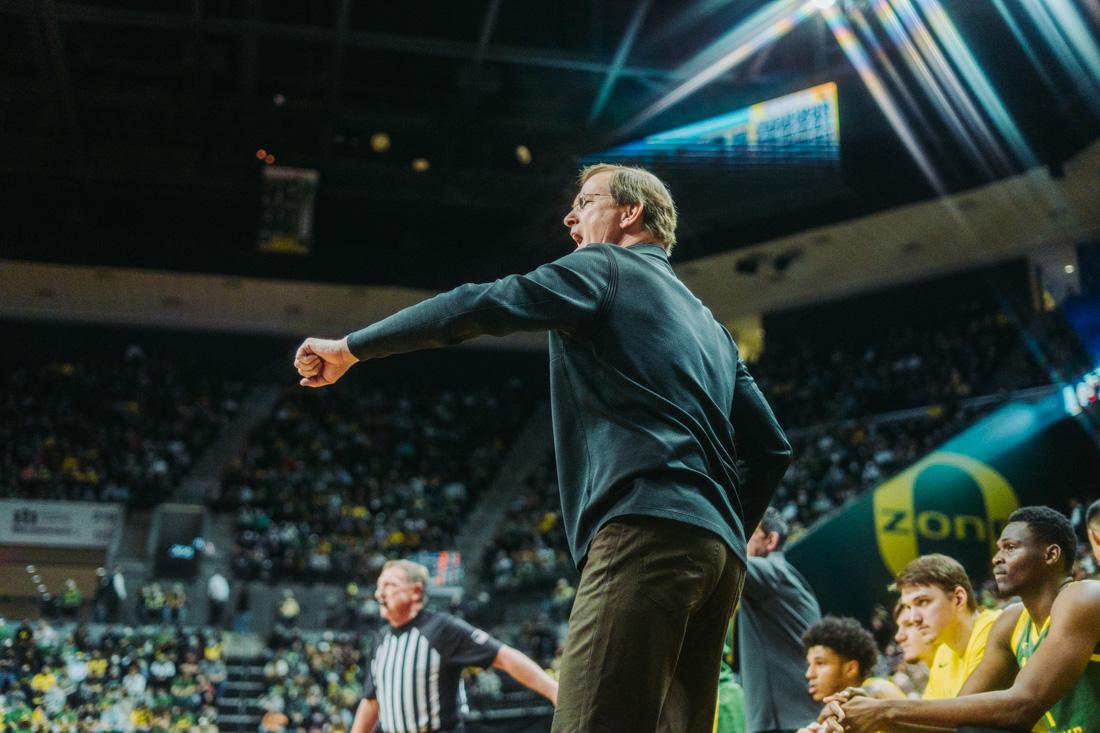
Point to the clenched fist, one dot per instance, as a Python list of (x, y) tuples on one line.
[(320, 362)]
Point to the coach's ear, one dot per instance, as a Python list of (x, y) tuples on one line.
[(633, 215)]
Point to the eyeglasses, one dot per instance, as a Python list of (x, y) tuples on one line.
[(583, 200)]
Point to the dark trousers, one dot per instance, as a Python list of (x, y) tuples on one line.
[(645, 635)]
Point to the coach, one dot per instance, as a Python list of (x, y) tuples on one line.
[(414, 683), (666, 449)]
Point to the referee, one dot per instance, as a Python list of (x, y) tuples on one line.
[(414, 684)]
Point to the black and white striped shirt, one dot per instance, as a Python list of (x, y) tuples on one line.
[(415, 674)]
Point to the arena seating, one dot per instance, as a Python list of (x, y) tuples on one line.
[(333, 482), (909, 366), (122, 427), (56, 678)]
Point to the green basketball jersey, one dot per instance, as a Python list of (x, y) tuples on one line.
[(1079, 710)]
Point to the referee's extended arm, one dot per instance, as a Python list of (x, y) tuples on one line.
[(366, 717), (525, 672)]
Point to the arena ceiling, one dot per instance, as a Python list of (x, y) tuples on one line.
[(129, 130)]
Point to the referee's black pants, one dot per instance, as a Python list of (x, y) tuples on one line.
[(645, 635)]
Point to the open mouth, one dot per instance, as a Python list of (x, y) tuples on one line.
[(576, 237)]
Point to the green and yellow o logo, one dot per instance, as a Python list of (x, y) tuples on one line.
[(947, 502)]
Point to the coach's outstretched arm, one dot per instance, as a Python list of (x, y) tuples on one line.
[(565, 295)]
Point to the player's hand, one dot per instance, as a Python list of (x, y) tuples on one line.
[(861, 714), (832, 715), (321, 362), (844, 696)]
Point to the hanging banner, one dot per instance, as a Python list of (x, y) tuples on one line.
[(59, 523), (286, 209)]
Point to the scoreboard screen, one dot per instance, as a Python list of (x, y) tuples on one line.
[(799, 128)]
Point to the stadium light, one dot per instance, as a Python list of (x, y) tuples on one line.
[(379, 142)]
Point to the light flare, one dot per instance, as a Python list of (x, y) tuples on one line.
[(963, 58), (857, 55), (761, 29)]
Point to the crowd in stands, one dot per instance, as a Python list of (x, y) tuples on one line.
[(163, 603), (336, 481), (939, 363), (311, 685), (529, 548), (124, 428), (117, 680)]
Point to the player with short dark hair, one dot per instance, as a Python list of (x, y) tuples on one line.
[(840, 653)]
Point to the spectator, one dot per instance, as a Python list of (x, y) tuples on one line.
[(217, 596), (242, 619), (274, 721), (562, 600), (153, 604), (161, 672), (71, 599), (175, 605), (289, 609), (134, 682)]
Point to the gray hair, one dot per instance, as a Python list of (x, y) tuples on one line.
[(414, 572), (632, 185)]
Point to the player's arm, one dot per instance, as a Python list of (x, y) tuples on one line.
[(366, 717), (1049, 674), (524, 670), (998, 667)]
